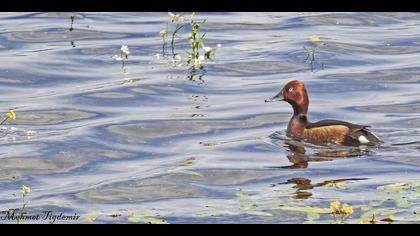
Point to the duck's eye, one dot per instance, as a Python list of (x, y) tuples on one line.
[(290, 89)]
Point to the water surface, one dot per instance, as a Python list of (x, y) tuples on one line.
[(110, 142)]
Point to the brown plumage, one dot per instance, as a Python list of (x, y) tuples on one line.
[(322, 132)]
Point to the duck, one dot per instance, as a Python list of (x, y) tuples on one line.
[(324, 132)]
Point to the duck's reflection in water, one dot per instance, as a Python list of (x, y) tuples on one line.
[(299, 158), (304, 184)]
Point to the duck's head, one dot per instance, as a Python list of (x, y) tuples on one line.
[(295, 94)]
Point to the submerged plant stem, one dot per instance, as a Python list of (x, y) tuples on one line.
[(178, 27)]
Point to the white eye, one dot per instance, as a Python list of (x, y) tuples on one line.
[(290, 89)]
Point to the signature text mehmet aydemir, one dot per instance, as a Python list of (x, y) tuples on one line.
[(49, 216)]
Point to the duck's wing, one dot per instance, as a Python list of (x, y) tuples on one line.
[(355, 134), (324, 123)]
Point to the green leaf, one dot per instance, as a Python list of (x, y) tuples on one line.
[(340, 186), (187, 172), (198, 115), (382, 212), (146, 219), (207, 214), (407, 219), (306, 209), (396, 187), (188, 162), (151, 220), (415, 184), (247, 207), (402, 203), (90, 217), (312, 216), (259, 213), (241, 195)]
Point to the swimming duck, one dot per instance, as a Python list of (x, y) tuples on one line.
[(323, 132)]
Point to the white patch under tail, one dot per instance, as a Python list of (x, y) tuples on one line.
[(363, 139)]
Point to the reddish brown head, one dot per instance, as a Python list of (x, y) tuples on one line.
[(295, 94)]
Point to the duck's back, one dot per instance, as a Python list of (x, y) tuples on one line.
[(339, 132)]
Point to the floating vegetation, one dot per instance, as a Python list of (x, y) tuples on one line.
[(146, 215), (145, 219), (311, 52), (401, 195), (208, 214), (248, 206), (131, 81), (90, 217), (198, 115), (188, 162)]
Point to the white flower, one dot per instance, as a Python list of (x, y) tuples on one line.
[(174, 17), (181, 19), (177, 58), (162, 33), (190, 38), (117, 58), (124, 49), (197, 62), (207, 49), (219, 45), (30, 132)]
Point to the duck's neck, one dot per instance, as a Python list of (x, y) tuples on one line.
[(300, 108), (299, 120), (297, 125)]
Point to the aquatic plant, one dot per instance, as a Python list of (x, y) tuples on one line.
[(146, 215), (311, 52), (395, 203), (343, 212), (71, 23), (196, 40), (178, 20), (9, 115), (25, 191), (123, 55), (146, 219), (163, 36), (198, 53)]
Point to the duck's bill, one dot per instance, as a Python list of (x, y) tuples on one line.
[(278, 97)]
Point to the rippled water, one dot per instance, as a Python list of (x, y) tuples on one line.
[(110, 141)]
